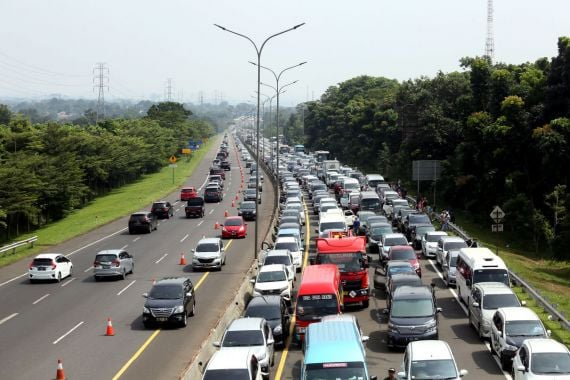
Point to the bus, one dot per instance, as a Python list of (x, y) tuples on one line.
[(322, 155), (320, 294), (299, 148)]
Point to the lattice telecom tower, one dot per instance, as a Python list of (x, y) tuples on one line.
[(490, 41), (100, 82), (169, 90)]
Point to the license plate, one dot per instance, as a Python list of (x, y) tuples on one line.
[(161, 319), (41, 268), (106, 266)]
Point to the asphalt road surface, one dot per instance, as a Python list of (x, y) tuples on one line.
[(41, 323)]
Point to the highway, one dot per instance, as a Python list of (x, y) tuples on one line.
[(41, 323)]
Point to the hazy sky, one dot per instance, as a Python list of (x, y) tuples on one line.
[(52, 46)]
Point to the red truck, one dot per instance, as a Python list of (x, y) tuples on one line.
[(348, 253)]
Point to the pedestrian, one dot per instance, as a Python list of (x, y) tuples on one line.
[(444, 220), (356, 225), (391, 374)]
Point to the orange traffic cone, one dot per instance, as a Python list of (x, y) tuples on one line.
[(233, 204), (182, 259), (237, 196), (110, 331), (226, 212), (60, 374), (217, 226)]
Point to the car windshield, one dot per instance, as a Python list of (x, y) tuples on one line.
[(433, 369), (422, 230), (433, 238), (418, 218), (223, 374), (233, 222), (332, 226), (412, 308), (291, 246), (277, 259), (495, 301), (314, 306), (524, 328), (269, 311), (208, 247), (370, 202), (195, 202), (243, 338), (550, 363), (454, 245), (250, 192), (165, 292), (378, 231), (400, 269), (401, 240), (401, 254), (271, 276), (247, 206), (158, 205), (453, 261), (351, 186), (491, 275), (335, 371), (346, 262)]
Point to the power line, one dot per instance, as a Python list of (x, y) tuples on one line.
[(37, 69), (101, 81)]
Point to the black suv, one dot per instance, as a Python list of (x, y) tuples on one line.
[(162, 209), (247, 210), (225, 165), (171, 300), (143, 221), (276, 313), (213, 194), (413, 315)]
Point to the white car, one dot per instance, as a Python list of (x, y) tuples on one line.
[(429, 359), (209, 253), (291, 243), (281, 256), (50, 266), (429, 243), (541, 359), (299, 207), (232, 365), (273, 279)]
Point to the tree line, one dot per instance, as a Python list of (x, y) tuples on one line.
[(501, 131), (49, 169)]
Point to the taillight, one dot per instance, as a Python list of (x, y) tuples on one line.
[(146, 219), (53, 265), (96, 263), (31, 265), (117, 263)]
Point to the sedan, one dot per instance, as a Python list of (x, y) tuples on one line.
[(234, 227), (50, 266)]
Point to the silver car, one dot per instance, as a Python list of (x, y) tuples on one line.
[(113, 263)]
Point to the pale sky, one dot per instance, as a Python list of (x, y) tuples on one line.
[(52, 46)]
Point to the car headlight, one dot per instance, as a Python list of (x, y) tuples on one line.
[(146, 310), (179, 309), (194, 260), (431, 326), (261, 356), (392, 327), (278, 330)]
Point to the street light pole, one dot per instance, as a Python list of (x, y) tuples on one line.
[(278, 91), (258, 51)]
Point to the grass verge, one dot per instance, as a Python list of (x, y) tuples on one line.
[(112, 206)]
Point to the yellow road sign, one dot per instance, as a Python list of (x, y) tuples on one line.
[(186, 151), (172, 159)]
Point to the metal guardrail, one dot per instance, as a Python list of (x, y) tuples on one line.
[(540, 300), (12, 247)]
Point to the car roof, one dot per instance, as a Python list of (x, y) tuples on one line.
[(213, 240), (265, 300), (398, 263), (379, 224), (110, 252), (140, 213), (435, 233), (171, 280), (401, 248), (405, 276), (429, 350), (286, 239), (272, 268), (538, 345), (518, 313), (233, 217), (394, 235), (445, 239), (241, 324), (329, 337), (48, 255), (229, 359), (413, 292), (493, 287), (278, 252)]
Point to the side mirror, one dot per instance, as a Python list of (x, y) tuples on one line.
[(189, 294), (438, 310), (445, 266), (145, 295), (386, 311), (463, 372), (193, 250), (520, 368), (252, 281), (475, 304), (270, 341), (216, 344)]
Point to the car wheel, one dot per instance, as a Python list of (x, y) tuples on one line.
[(193, 311), (32, 281), (505, 364), (70, 271), (59, 277), (131, 231), (480, 332), (97, 278), (156, 226), (365, 304), (124, 274), (132, 269), (147, 325), (184, 321)]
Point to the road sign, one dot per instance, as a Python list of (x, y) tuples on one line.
[(497, 214), (172, 159), (186, 151), (172, 166), (497, 227)]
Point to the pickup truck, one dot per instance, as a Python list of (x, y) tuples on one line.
[(195, 207)]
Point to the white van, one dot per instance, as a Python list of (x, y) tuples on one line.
[(331, 222), (372, 180), (476, 265)]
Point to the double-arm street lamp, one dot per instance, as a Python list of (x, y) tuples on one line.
[(278, 90), (258, 50)]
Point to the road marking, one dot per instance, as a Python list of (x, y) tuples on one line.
[(211, 211), (184, 238), (124, 247), (199, 224), (162, 258), (8, 318), (126, 287), (177, 210), (72, 279), (40, 299), (136, 239), (88, 269), (67, 333)]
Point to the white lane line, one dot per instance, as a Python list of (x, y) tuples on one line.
[(126, 287), (124, 247), (184, 238), (177, 210), (67, 333), (8, 318), (73, 279), (40, 299), (176, 201), (487, 345), (96, 241), (136, 239), (211, 211), (88, 269), (199, 224), (13, 279), (162, 258)]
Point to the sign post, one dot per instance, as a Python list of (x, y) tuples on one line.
[(172, 161), (497, 216)]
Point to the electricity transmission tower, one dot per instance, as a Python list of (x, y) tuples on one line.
[(490, 41), (100, 82), (169, 90)]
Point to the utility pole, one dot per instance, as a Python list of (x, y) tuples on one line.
[(490, 41), (168, 90), (100, 82)]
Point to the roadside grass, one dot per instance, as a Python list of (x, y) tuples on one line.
[(550, 278), (118, 203)]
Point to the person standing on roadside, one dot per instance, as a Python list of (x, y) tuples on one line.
[(391, 374)]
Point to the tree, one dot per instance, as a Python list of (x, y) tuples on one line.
[(168, 114), (5, 114)]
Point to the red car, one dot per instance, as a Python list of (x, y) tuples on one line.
[(234, 227), (405, 252), (187, 193)]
